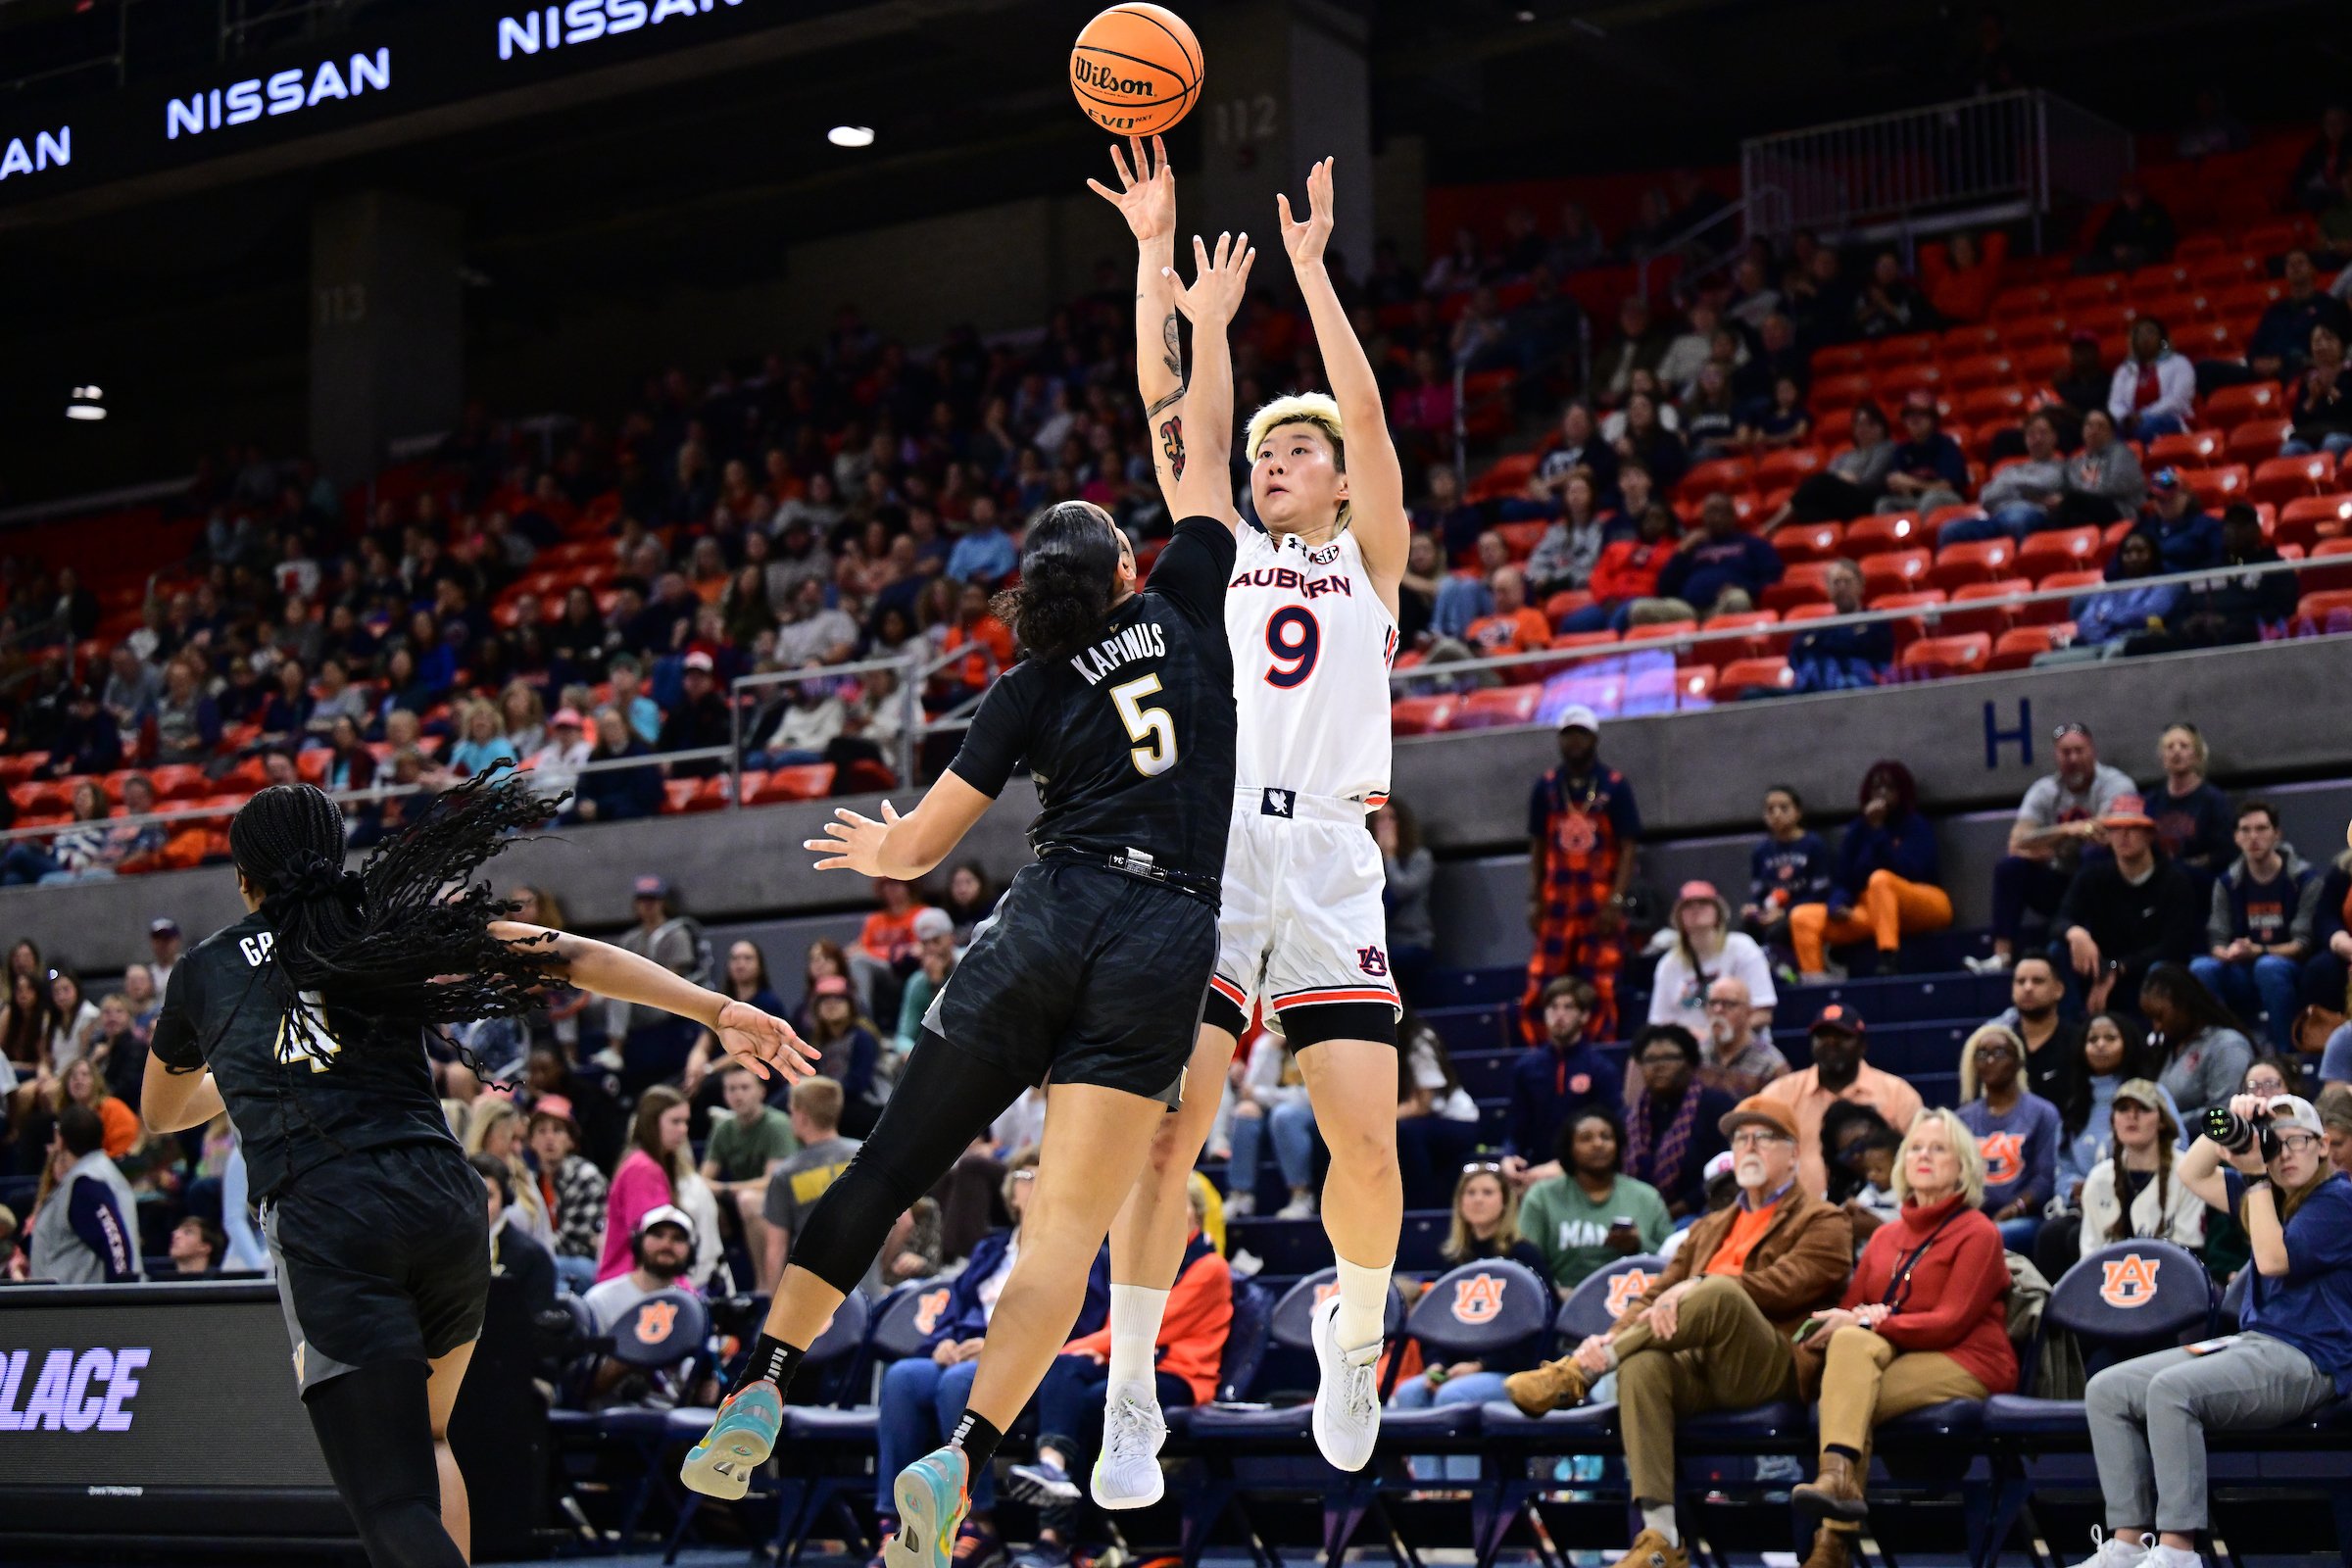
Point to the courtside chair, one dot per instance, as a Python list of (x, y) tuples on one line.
[(667, 1329)]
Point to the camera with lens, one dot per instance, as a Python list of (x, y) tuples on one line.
[(2237, 1134)]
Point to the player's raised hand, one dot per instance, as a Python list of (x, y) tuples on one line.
[(1218, 281), (1146, 194), (1306, 240), (854, 842), (763, 1041)]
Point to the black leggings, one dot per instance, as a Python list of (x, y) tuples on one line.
[(944, 1097), (375, 1429)]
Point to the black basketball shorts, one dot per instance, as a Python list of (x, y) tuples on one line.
[(1088, 976)]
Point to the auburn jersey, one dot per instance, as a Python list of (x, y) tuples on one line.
[(1311, 649)]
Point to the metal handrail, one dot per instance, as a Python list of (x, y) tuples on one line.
[(904, 664), (1759, 197)]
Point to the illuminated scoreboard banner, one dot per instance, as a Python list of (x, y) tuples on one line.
[(369, 78)]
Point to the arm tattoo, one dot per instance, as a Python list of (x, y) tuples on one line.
[(1172, 356), (1171, 443), (1168, 402)]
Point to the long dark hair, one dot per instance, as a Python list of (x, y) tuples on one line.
[(393, 944), (1896, 777), (1069, 567), (2074, 1113), (1845, 1180), (2190, 997)]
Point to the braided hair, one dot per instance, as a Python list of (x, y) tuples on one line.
[(393, 945)]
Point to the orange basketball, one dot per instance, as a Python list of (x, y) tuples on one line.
[(1136, 69)]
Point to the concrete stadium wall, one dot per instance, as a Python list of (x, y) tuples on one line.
[(2268, 713)]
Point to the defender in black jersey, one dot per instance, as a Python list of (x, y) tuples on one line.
[(306, 1021), (1092, 978)]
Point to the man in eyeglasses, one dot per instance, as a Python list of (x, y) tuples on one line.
[(2058, 816), (1712, 1332)]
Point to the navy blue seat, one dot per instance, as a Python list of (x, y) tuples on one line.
[(1476, 1313), (1282, 1246), (668, 1331), (1596, 1305)]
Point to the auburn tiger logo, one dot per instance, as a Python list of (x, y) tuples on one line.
[(657, 1321), (1625, 1290), (928, 1308), (2005, 1157), (2128, 1281), (1372, 962), (1477, 1299)]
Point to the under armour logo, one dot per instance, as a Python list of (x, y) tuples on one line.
[(1279, 803)]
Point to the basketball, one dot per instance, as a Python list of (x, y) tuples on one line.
[(1136, 70)]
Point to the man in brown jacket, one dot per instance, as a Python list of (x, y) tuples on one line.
[(1713, 1332)]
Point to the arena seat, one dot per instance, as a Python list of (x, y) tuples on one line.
[(1757, 623), (2328, 611), (1976, 562), (1894, 571), (2207, 340), (2257, 441), (1886, 530), (1789, 466), (1742, 677), (1972, 338), (2307, 519), (1660, 631), (1803, 583), (2187, 448), (1954, 656), (1839, 359), (1807, 540), (1718, 473), (2215, 488), (1978, 371), (1993, 620), (2280, 480), (1496, 706), (2015, 648), (2060, 550), (1421, 715), (2233, 406), (1695, 685)]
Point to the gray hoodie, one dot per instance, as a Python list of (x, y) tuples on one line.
[(2113, 474), (2222, 923)]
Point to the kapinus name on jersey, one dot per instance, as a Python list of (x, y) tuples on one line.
[(1144, 640)]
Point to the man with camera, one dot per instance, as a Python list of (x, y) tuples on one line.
[(2264, 1161)]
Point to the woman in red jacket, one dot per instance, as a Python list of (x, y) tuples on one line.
[(1628, 570), (1923, 1320)]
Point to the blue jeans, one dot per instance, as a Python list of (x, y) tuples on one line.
[(25, 863), (575, 1274), (2147, 426), (1293, 1130), (1415, 1394), (2017, 1235), (2335, 443), (1613, 616), (922, 1402), (2269, 983), (1460, 600), (2011, 522)]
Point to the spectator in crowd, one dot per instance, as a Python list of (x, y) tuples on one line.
[(515, 1252), (1182, 1365), (2192, 817), (482, 741), (2292, 1352), (2212, 129), (1924, 1319), (1410, 868), (1929, 470), (2260, 928), (197, 1246), (2325, 974), (746, 1143), (1889, 303), (87, 741), (2282, 339), (794, 1186), (575, 1193), (556, 766), (1564, 558), (2318, 397), (1885, 887), (1627, 571), (643, 718), (1789, 865), (986, 554), (1513, 626), (1671, 1123), (1719, 569), (1464, 596), (1485, 1226), (849, 1046), (2102, 481), (886, 946), (1710, 414), (2201, 1049), (1740, 1058), (1582, 828), (1704, 947), (2154, 391), (1831, 659), (1780, 421), (2126, 913), (2053, 1043), (495, 1128), (2324, 163), (1649, 438), (701, 720), (1578, 446), (2114, 1051), (2081, 385), (657, 1171), (1591, 1213), (1963, 273), (1271, 1103), (2334, 1106), (187, 722), (2133, 1193), (1437, 1121), (119, 1050), (1859, 1149), (747, 981), (85, 1227), (2059, 814), (2110, 620), (2187, 537), (935, 962), (78, 853), (653, 1046), (970, 899), (2016, 1133), (1853, 481), (661, 1251), (2022, 498), (619, 793), (1712, 1331), (2138, 232), (1638, 345), (1838, 1072), (1552, 1081)]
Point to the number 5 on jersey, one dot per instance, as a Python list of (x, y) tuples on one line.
[(1151, 725)]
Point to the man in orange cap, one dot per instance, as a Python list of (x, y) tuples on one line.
[(1712, 1332)]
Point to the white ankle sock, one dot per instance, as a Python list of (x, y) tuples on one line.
[(1660, 1517), (1364, 1304), (1135, 1314)]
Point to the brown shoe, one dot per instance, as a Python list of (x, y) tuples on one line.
[(1547, 1388), (1650, 1550), (1832, 1549), (1837, 1493)]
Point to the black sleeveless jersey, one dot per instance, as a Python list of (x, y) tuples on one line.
[(298, 1096), (1131, 739)]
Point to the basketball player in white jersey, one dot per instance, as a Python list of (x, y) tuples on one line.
[(1311, 612)]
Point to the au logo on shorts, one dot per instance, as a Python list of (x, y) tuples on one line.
[(1477, 1299), (1625, 1290), (2128, 1281), (1372, 962)]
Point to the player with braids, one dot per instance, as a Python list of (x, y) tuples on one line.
[(306, 1022)]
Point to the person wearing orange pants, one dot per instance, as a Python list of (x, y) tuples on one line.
[(1885, 887)]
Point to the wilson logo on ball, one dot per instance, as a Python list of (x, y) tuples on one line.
[(1136, 69)]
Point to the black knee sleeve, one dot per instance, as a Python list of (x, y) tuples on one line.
[(1220, 1011), (1338, 1020), (376, 1430), (946, 1098)]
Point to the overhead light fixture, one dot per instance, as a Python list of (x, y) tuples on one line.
[(1527, 15), (851, 136), (86, 403)]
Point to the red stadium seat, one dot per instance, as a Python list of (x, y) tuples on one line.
[(688, 795), (1840, 358), (2233, 406), (1421, 715), (1718, 473), (2189, 449), (1942, 515), (2015, 648), (2259, 440), (2311, 519), (806, 781), (1977, 337), (180, 781), (1983, 561), (1899, 381), (1875, 531), (1497, 706), (1833, 425), (2061, 550), (2340, 575), (1979, 370), (1807, 540), (2328, 610), (1804, 582), (1841, 391), (1521, 538), (2000, 406), (2216, 488), (1789, 466), (2283, 480), (1954, 656), (1567, 601), (1757, 623), (2206, 340), (1744, 675), (1660, 631), (1989, 619), (1506, 477), (2103, 289), (1695, 686), (1912, 348)]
